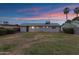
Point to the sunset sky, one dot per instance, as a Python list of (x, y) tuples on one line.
[(31, 12)]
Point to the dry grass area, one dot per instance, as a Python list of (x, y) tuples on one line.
[(39, 43)]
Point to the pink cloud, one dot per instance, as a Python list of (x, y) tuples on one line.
[(59, 16), (55, 14)]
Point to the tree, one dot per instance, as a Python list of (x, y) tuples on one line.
[(66, 11), (76, 11)]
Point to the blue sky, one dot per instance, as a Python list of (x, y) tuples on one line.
[(11, 9), (34, 12)]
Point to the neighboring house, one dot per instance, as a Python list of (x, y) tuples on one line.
[(40, 27)]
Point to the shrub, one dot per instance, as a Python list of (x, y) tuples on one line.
[(16, 29), (2, 28), (68, 30), (3, 31), (10, 31)]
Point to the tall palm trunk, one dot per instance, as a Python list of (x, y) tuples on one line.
[(66, 16), (66, 11), (77, 15)]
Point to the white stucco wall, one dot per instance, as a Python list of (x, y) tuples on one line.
[(23, 29), (49, 29)]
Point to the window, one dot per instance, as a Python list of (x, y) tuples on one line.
[(53, 27), (46, 26), (37, 27), (32, 27)]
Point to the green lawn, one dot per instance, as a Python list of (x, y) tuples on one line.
[(40, 43)]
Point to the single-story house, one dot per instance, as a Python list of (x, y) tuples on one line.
[(39, 27)]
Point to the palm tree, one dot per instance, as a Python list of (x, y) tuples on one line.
[(66, 11), (76, 11)]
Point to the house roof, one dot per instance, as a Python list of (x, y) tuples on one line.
[(39, 24)]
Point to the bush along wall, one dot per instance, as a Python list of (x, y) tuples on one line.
[(10, 31), (68, 30), (4, 31)]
